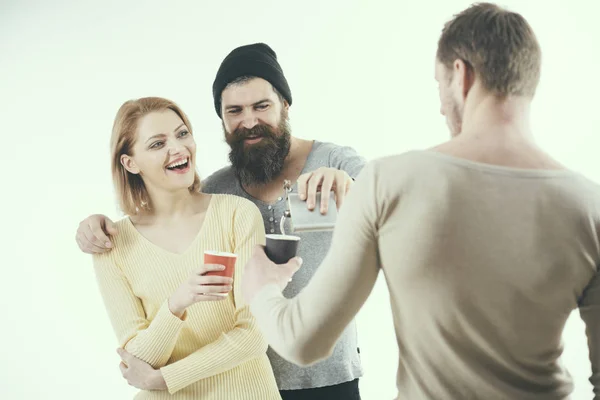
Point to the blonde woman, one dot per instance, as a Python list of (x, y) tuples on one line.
[(165, 310)]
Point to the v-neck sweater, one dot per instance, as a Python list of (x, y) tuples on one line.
[(215, 351)]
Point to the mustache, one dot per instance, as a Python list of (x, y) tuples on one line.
[(241, 134)]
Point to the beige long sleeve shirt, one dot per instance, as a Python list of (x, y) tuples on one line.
[(484, 264)]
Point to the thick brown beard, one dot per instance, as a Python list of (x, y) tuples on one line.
[(264, 161)]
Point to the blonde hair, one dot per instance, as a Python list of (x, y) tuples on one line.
[(130, 189), (499, 45)]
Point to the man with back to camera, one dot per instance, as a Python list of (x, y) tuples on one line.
[(486, 241)]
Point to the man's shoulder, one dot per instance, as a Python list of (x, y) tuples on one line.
[(399, 170), (328, 148), (221, 181), (585, 190), (589, 184), (413, 157), (327, 154)]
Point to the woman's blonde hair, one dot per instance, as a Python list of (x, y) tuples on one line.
[(130, 188)]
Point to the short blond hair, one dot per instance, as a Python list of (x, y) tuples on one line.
[(498, 45), (130, 189)]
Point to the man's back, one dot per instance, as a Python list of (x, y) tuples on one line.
[(484, 265)]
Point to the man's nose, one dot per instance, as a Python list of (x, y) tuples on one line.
[(249, 121)]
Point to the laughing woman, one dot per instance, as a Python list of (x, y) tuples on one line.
[(182, 340)]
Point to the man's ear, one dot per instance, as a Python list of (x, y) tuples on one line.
[(465, 74)]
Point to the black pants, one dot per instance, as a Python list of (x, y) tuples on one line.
[(343, 391)]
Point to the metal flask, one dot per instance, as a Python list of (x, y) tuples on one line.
[(304, 220)]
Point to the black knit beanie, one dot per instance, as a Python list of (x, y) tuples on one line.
[(251, 60)]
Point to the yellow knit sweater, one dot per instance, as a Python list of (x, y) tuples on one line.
[(216, 351)]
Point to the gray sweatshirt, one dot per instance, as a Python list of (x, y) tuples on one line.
[(344, 364)]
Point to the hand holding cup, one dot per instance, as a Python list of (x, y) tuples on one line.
[(210, 282)]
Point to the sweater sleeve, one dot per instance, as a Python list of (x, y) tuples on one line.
[(347, 159), (245, 341), (150, 341), (589, 309), (305, 329)]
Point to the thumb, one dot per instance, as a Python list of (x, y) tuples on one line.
[(111, 228), (289, 269), (123, 354), (294, 265)]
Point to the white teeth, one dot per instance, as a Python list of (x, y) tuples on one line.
[(175, 164)]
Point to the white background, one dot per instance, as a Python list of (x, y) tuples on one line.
[(361, 74)]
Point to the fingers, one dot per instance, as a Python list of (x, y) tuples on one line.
[(87, 246), (123, 369), (83, 245), (210, 297), (211, 289), (328, 180), (294, 265), (100, 236), (125, 356), (202, 287), (124, 364), (125, 372), (110, 226), (341, 188), (91, 236), (287, 271), (303, 184), (349, 183), (313, 186), (203, 269), (212, 280), (210, 285)]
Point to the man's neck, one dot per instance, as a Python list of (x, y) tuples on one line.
[(497, 131), (299, 150), (488, 117)]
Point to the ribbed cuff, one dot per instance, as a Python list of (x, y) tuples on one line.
[(175, 378), (161, 333)]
